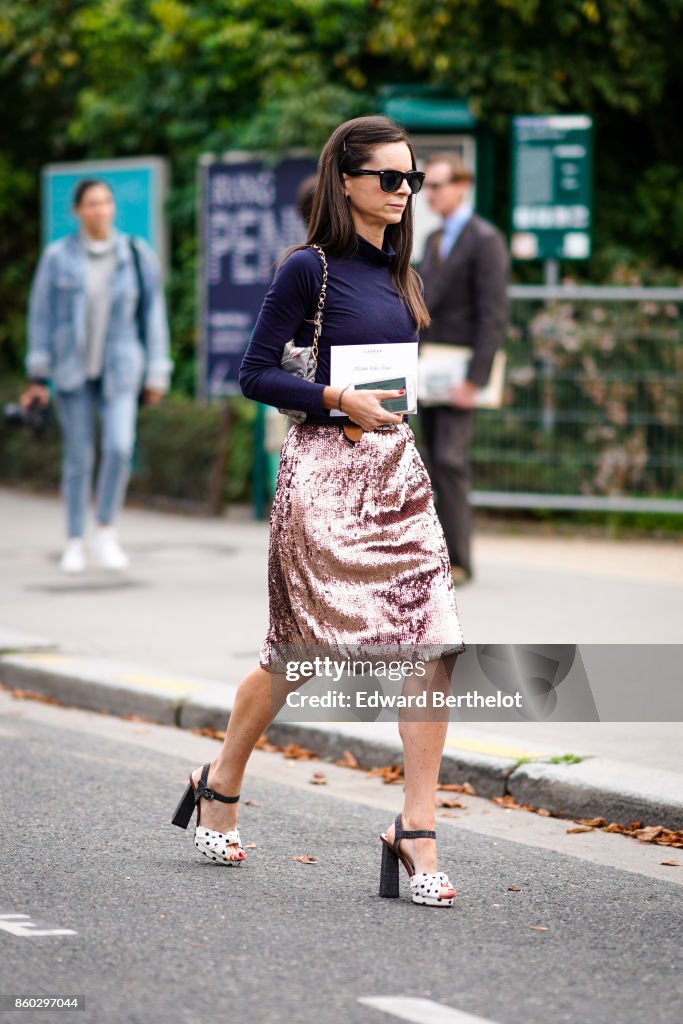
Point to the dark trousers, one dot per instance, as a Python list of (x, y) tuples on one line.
[(446, 433)]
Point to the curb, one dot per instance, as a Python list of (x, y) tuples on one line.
[(593, 787), (602, 788)]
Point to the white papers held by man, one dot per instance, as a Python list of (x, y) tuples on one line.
[(441, 367)]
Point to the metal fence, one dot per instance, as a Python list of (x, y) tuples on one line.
[(593, 409)]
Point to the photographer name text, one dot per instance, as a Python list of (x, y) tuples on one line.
[(433, 699)]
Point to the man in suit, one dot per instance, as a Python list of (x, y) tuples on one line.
[(464, 269)]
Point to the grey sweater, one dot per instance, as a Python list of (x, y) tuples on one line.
[(99, 267)]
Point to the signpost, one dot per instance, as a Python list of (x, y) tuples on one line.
[(552, 189)]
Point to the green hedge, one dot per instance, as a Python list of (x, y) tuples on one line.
[(175, 452)]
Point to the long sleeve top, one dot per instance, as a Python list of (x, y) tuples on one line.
[(362, 306)]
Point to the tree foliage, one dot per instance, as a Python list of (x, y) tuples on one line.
[(619, 60), (103, 78)]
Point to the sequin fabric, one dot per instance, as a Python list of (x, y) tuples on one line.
[(357, 555)]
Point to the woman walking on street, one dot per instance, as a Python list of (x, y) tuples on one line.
[(357, 556), (97, 326)]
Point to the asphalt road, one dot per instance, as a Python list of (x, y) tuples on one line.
[(160, 934)]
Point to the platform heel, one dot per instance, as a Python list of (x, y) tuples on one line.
[(183, 811), (426, 886), (209, 842), (388, 878)]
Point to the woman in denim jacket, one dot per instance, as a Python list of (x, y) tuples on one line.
[(84, 335)]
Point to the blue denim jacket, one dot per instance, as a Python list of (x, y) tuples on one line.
[(56, 320)]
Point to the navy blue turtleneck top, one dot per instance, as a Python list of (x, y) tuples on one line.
[(362, 306)]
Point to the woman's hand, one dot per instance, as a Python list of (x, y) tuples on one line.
[(364, 408), (151, 396), (38, 391), (464, 395)]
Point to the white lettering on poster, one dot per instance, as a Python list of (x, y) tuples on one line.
[(244, 244)]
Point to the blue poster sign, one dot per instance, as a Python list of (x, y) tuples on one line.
[(248, 217), (139, 185)]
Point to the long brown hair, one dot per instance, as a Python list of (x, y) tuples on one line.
[(331, 225)]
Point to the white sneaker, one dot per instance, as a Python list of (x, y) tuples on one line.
[(73, 559), (107, 550)]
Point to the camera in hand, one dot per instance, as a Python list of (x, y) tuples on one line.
[(36, 416)]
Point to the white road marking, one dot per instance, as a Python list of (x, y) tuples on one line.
[(421, 1011), (22, 925)]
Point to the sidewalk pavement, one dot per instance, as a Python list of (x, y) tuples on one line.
[(170, 638)]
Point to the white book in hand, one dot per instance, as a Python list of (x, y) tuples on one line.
[(387, 367)]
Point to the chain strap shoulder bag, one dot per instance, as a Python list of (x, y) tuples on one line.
[(302, 361)]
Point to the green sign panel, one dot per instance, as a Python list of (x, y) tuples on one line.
[(551, 187)]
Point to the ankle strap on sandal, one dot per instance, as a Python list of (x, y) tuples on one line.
[(208, 793), (419, 833)]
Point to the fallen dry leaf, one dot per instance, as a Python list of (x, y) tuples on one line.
[(253, 803), (318, 779), (44, 698), (670, 863), (348, 760), (215, 734), (457, 787), (306, 858), (509, 801), (389, 773), (580, 828), (249, 846), (645, 835), (450, 803), (515, 888), (651, 834), (263, 743), (298, 753), (539, 928)]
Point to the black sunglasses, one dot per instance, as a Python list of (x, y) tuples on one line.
[(391, 181)]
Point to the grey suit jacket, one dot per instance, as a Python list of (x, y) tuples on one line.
[(466, 294)]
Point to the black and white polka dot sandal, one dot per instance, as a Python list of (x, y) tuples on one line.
[(425, 886), (208, 841)]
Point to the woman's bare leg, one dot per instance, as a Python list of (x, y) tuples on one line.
[(423, 734), (259, 697)]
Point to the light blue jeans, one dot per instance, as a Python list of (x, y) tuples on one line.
[(118, 416)]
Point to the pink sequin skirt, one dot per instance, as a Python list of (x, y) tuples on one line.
[(357, 555)]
